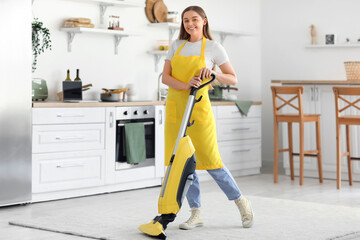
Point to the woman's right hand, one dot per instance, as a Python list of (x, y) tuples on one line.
[(194, 82)]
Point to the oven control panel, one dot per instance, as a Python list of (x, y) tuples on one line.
[(135, 112)]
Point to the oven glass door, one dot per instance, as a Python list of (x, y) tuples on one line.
[(149, 139)]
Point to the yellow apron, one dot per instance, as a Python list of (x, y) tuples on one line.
[(203, 132)]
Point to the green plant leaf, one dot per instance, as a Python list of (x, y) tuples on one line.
[(40, 40)]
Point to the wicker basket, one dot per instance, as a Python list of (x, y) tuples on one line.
[(352, 71)]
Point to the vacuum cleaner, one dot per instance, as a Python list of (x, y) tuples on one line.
[(179, 174)]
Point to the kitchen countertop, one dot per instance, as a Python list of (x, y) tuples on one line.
[(55, 104), (317, 82)]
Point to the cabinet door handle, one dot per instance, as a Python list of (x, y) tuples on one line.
[(145, 123), (312, 94), (68, 138), (240, 129), (242, 150), (160, 117), (69, 165), (317, 94), (73, 115), (111, 120)]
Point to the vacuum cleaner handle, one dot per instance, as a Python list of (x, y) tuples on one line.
[(194, 90)]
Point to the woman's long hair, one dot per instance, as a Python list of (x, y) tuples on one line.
[(183, 35)]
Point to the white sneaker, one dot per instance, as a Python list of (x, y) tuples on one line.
[(247, 214), (193, 221)]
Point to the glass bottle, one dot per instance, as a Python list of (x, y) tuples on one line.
[(77, 76), (68, 76)]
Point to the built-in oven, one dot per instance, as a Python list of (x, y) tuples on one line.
[(135, 114)]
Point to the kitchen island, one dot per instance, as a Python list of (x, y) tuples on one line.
[(318, 98)]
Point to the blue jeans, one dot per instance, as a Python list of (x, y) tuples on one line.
[(222, 177)]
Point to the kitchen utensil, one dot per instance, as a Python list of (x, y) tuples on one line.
[(130, 93), (119, 90), (217, 92), (72, 91), (149, 5), (160, 11), (110, 97), (106, 90), (39, 89), (84, 88), (172, 16), (115, 90)]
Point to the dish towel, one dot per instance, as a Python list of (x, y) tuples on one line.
[(135, 143), (243, 106)]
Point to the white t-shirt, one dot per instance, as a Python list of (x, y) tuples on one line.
[(215, 54)]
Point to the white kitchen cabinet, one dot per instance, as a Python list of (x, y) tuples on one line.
[(319, 99), (239, 140), (110, 143), (74, 153), (159, 140), (70, 137), (67, 115), (68, 148), (74, 150), (67, 170)]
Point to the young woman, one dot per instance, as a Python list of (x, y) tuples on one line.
[(190, 61)]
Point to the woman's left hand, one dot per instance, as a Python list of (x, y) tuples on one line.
[(205, 73)]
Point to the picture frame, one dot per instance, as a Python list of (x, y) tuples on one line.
[(330, 39)]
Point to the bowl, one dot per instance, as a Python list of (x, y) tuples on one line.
[(110, 97)]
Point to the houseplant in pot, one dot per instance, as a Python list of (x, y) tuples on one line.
[(40, 42)]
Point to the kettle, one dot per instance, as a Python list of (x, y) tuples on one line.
[(39, 89)]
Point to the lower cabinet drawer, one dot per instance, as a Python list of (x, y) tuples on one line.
[(233, 112), (60, 171), (72, 137), (239, 155), (237, 129), (68, 115)]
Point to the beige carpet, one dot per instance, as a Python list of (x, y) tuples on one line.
[(274, 219)]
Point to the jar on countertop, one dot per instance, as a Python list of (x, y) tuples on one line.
[(172, 16)]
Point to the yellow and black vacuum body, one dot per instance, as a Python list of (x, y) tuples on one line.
[(179, 174)]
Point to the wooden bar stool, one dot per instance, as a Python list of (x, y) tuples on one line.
[(300, 118), (346, 120)]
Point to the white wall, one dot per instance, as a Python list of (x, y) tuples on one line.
[(285, 33), (94, 54)]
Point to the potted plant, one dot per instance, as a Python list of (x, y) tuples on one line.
[(40, 40)]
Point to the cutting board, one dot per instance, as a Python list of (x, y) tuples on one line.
[(160, 11), (149, 9)]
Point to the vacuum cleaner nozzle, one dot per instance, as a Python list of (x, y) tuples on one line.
[(156, 228)]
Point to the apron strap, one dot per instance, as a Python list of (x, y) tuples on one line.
[(203, 48), (179, 49)]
